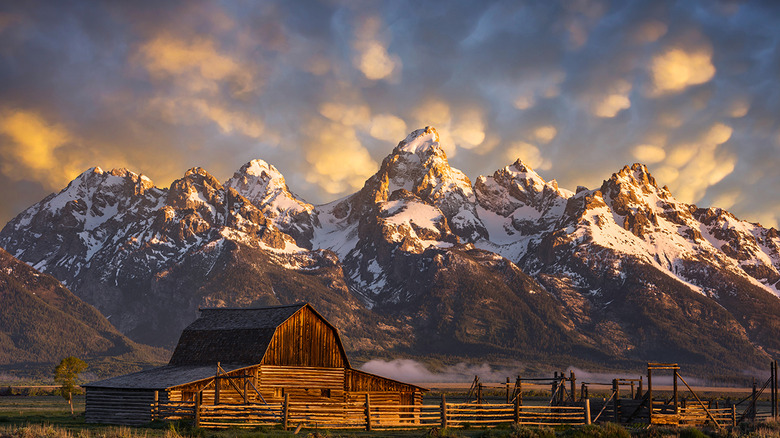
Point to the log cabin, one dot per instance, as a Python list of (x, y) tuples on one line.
[(247, 356)]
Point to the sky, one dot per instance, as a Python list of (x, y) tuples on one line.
[(324, 90)]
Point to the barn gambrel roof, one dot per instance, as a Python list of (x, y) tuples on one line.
[(236, 336)]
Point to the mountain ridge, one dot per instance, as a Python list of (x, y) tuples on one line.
[(382, 261)]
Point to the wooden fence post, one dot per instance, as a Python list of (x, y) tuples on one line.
[(368, 412), (520, 389), (650, 394), (587, 411), (443, 412), (479, 393), (216, 385), (733, 415), (616, 407), (777, 393), (639, 392), (508, 399), (676, 407), (286, 412), (156, 405), (753, 400), (198, 401), (573, 386), (777, 413), (517, 410), (773, 387)]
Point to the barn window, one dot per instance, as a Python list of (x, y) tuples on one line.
[(325, 392)]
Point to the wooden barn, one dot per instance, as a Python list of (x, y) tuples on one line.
[(247, 356)]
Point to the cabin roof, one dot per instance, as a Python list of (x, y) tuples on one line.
[(161, 378)]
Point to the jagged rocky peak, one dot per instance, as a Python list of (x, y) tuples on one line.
[(635, 178), (263, 185), (514, 186), (197, 190), (419, 165)]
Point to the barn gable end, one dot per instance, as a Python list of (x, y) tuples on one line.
[(306, 339)]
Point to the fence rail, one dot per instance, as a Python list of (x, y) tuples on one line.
[(368, 416)]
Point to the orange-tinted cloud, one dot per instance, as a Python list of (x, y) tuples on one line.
[(197, 62), (677, 69), (31, 149)]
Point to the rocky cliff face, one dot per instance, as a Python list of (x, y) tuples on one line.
[(420, 261)]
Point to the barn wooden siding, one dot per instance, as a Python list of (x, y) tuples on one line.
[(307, 340), (381, 390), (303, 384)]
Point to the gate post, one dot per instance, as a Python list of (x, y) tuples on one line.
[(517, 410), (587, 411)]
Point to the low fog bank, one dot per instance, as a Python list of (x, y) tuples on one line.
[(408, 370)]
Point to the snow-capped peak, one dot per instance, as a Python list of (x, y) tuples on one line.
[(258, 167), (421, 142)]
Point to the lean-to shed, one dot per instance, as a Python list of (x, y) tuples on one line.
[(243, 356)]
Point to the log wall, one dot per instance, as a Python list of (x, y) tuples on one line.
[(120, 406)]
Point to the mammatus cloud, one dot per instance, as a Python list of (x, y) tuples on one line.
[(649, 154), (165, 86), (614, 101), (545, 134), (469, 130), (388, 127), (372, 57), (197, 64), (198, 83), (689, 169), (338, 161), (677, 69)]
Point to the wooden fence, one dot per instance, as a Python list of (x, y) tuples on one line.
[(370, 416)]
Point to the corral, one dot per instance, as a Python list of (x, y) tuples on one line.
[(234, 358)]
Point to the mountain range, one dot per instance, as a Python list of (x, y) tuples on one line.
[(423, 263)]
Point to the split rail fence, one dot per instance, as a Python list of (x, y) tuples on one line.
[(370, 416)]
